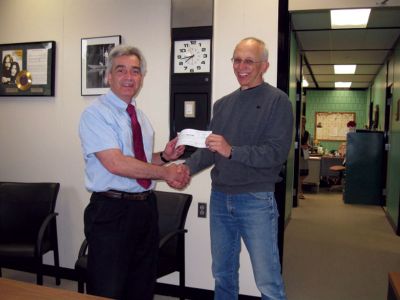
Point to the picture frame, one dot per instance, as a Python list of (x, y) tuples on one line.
[(27, 69), (94, 54)]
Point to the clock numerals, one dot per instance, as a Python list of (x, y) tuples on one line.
[(192, 56)]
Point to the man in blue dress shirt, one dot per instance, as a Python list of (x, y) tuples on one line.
[(121, 222)]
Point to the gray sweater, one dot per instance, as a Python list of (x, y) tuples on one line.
[(258, 123)]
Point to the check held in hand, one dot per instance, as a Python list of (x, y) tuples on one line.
[(193, 137)]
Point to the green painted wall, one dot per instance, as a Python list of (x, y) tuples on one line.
[(292, 96), (393, 172), (335, 101), (367, 106)]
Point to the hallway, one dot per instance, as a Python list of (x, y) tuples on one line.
[(337, 251)]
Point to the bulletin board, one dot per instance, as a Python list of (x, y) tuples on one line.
[(332, 126)]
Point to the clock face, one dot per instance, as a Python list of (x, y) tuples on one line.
[(192, 56)]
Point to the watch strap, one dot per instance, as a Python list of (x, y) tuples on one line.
[(162, 158)]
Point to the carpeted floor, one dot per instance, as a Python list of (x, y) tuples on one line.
[(332, 251), (337, 251)]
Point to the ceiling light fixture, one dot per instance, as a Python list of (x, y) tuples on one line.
[(305, 82), (350, 18), (342, 84), (345, 69)]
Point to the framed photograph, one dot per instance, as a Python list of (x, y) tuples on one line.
[(93, 65), (27, 69)]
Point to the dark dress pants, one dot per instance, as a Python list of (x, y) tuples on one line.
[(123, 245)]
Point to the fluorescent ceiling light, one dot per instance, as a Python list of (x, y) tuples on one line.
[(342, 84), (345, 69), (349, 18), (305, 82)]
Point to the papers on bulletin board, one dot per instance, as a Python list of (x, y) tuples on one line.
[(332, 126)]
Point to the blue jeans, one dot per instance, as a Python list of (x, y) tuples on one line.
[(254, 218)]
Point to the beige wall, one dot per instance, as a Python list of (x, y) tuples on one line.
[(39, 136)]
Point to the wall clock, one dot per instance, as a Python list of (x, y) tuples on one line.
[(192, 56), (190, 81)]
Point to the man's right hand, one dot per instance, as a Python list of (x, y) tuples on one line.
[(178, 176)]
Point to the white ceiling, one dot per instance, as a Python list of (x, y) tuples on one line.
[(323, 47)]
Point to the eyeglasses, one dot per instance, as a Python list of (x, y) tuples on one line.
[(247, 62)]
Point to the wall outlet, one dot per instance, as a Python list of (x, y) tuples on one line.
[(202, 210)]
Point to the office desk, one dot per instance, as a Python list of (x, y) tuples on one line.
[(18, 290), (314, 167)]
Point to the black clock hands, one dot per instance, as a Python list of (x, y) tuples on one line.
[(189, 57)]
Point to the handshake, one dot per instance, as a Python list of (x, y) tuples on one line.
[(177, 176)]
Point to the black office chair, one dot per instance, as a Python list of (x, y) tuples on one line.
[(81, 266), (172, 209), (28, 226)]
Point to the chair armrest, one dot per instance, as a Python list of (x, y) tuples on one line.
[(169, 236), (82, 250), (42, 231)]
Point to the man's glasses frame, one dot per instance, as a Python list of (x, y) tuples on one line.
[(247, 62)]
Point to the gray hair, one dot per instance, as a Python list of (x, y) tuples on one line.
[(125, 50), (261, 44)]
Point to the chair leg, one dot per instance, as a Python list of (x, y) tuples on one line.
[(39, 277), (182, 292), (57, 265), (182, 285), (39, 270), (81, 286), (56, 255)]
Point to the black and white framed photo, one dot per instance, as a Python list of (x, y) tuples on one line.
[(95, 53)]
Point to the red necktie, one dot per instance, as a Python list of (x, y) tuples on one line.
[(137, 142)]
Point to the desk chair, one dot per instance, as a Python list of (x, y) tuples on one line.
[(340, 185), (172, 212)]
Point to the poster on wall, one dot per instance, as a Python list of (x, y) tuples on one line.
[(27, 69), (95, 53), (332, 126)]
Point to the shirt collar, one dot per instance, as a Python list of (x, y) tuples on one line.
[(118, 102)]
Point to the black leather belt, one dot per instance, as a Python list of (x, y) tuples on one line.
[(124, 195)]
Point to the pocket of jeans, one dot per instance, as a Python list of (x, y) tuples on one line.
[(268, 199), (263, 195)]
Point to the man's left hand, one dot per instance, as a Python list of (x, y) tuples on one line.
[(170, 152), (217, 143)]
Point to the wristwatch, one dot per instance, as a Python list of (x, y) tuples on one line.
[(162, 158)]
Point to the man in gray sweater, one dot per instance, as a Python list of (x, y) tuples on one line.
[(251, 137)]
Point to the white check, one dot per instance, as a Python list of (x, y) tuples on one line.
[(193, 137)]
